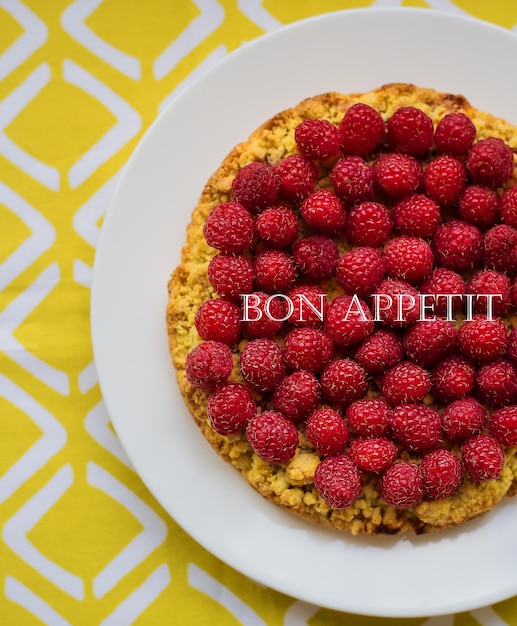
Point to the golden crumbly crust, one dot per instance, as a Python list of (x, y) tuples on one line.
[(291, 485)]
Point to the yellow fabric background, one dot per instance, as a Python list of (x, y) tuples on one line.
[(83, 542)]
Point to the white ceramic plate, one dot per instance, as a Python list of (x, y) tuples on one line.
[(144, 230)]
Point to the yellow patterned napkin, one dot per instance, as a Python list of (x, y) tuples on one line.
[(83, 542)]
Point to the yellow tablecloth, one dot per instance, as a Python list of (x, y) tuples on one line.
[(83, 541)]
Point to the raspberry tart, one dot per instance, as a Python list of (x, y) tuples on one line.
[(341, 320)]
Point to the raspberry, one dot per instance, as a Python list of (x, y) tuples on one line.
[(316, 257), (496, 383), (503, 425), (208, 364), (500, 249), (338, 481), (416, 426), (348, 321), (218, 320), (441, 470), (327, 431), (369, 417), (408, 258), (490, 282), (511, 351), (230, 408), (444, 284), (453, 378), (273, 437), (277, 226), (397, 303), (307, 349), (373, 454), (458, 245), (402, 485), (352, 179), (482, 339), (454, 134), (298, 176), (479, 206), (361, 130), (428, 342), (410, 131), (369, 224), (309, 305), (360, 271), (317, 139), (323, 212), (463, 418), (444, 180), (380, 352), (263, 314), (483, 457), (343, 381), (262, 364), (416, 215), (406, 383), (397, 175), (297, 395), (275, 271), (231, 275), (256, 186), (490, 162), (229, 227), (508, 207)]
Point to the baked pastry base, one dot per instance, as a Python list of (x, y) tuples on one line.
[(291, 485)]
